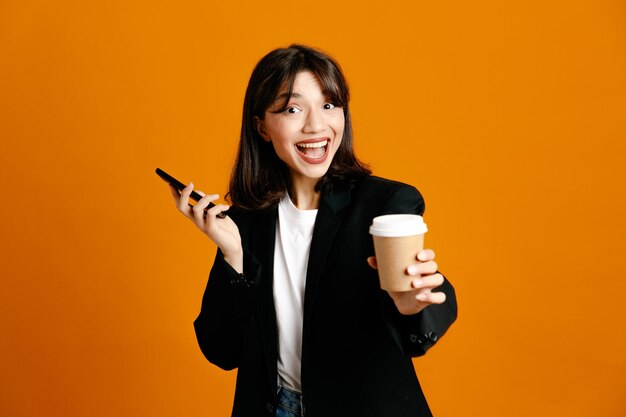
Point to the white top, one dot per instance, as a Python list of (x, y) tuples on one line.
[(294, 230)]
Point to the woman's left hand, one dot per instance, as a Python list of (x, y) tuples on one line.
[(425, 279)]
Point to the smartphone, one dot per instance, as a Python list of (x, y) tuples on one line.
[(180, 186)]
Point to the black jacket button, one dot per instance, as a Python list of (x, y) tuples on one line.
[(413, 338), (270, 407), (433, 336)]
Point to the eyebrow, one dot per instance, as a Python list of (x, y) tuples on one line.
[(287, 95)]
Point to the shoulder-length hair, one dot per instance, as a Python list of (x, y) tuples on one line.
[(259, 179)]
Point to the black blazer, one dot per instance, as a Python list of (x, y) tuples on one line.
[(356, 347)]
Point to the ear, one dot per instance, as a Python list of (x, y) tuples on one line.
[(260, 127)]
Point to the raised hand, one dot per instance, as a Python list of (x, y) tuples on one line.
[(425, 278), (222, 231)]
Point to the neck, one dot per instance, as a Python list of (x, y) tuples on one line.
[(303, 195)]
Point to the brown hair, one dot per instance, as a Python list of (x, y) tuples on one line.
[(259, 179)]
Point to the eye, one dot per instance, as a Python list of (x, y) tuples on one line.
[(329, 106), (292, 110)]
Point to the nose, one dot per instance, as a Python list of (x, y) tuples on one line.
[(314, 121)]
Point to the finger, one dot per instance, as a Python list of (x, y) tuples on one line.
[(174, 191), (426, 255), (217, 210), (175, 194), (429, 281), (183, 201), (371, 261), (424, 268), (222, 213), (431, 297), (200, 208), (206, 200)]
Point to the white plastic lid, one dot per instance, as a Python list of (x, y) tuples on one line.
[(398, 225)]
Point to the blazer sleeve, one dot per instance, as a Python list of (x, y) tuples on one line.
[(227, 308), (415, 334)]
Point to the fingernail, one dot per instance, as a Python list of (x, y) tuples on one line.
[(412, 269), (417, 283), (421, 255), (421, 297), (190, 184)]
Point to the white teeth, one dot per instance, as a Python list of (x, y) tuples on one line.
[(312, 145)]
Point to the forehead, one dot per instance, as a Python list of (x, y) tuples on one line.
[(305, 83)]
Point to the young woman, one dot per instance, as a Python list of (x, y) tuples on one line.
[(293, 298)]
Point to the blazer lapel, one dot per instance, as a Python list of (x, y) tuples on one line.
[(327, 223)]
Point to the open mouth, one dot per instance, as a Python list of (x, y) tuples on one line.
[(313, 152)]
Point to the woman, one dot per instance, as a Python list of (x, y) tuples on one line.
[(293, 299)]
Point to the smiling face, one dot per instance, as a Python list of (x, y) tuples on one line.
[(307, 133)]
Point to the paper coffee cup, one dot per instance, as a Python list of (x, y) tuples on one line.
[(397, 240)]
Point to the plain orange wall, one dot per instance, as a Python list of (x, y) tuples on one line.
[(508, 116)]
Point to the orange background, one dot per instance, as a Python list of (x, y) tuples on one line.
[(508, 116)]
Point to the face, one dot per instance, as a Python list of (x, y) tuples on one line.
[(307, 134)]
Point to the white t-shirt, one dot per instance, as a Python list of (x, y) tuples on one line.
[(294, 230)]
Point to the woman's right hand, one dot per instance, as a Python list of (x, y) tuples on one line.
[(224, 232)]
